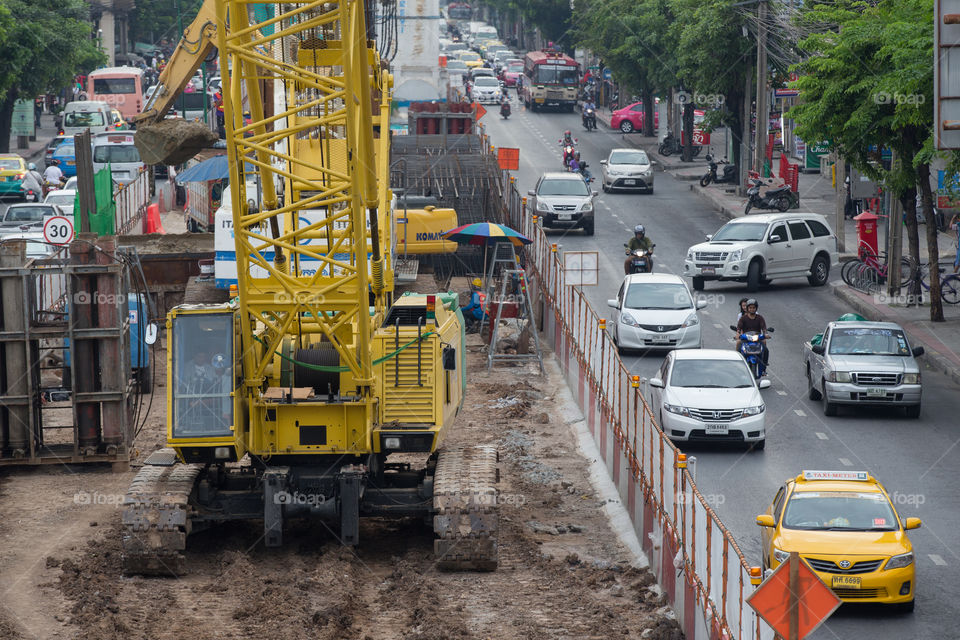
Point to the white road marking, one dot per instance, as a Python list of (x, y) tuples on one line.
[(846, 462), (822, 435), (781, 393), (937, 560), (718, 325), (799, 412)]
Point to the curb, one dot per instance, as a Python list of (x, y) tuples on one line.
[(933, 358), (718, 201)]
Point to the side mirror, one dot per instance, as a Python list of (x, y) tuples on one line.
[(150, 335), (709, 237), (654, 162), (613, 304), (701, 304), (656, 382), (918, 351), (912, 523), (733, 327), (603, 162), (531, 192), (818, 349), (594, 193), (766, 520), (765, 384), (770, 330)]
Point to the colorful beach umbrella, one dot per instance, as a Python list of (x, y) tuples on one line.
[(485, 233)]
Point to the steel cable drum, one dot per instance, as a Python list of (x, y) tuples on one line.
[(323, 382)]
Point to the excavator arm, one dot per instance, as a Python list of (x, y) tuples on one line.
[(198, 40)]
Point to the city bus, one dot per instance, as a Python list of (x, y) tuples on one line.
[(120, 87), (459, 11), (550, 78)]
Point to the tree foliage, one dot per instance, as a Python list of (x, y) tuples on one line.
[(867, 84), (154, 20), (552, 17)]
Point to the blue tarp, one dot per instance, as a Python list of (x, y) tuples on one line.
[(216, 168)]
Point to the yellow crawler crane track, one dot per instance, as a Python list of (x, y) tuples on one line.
[(156, 516), (466, 519)]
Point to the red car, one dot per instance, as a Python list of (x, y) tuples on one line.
[(512, 69), (630, 118)]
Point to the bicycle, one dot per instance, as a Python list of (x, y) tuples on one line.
[(868, 273), (949, 285)]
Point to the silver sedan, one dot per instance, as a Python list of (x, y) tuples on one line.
[(627, 169)]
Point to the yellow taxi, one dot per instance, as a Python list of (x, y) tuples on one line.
[(844, 525), (13, 170), (116, 119), (471, 58)]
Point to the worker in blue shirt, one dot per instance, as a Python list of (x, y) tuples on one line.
[(474, 312)]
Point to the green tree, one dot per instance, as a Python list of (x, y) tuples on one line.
[(868, 82), (42, 50), (714, 59), (634, 41), (551, 17)]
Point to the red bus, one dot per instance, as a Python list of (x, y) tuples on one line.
[(550, 78), (459, 11)]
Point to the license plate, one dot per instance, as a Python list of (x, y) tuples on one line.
[(708, 270), (564, 216), (717, 429), (538, 100), (845, 582), (875, 392), (629, 182), (70, 163), (660, 339)]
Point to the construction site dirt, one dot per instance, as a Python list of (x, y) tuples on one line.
[(563, 572)]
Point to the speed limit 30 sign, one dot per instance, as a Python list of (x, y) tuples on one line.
[(58, 230)]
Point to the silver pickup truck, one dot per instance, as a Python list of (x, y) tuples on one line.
[(863, 363)]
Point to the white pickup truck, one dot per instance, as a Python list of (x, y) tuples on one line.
[(863, 363)]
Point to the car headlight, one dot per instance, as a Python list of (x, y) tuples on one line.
[(900, 561), (735, 256), (692, 321), (542, 206), (780, 555), (911, 378), (754, 411), (839, 376), (586, 207), (627, 319), (680, 411)]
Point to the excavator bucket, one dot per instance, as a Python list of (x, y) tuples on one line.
[(172, 142)]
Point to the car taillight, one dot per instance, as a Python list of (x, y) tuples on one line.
[(19, 176)]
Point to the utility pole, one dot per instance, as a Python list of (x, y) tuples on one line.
[(745, 159), (85, 187), (763, 109)]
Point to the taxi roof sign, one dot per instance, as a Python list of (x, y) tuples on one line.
[(861, 476)]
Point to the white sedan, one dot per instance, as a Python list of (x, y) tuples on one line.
[(655, 311), (64, 198), (485, 89), (709, 395)]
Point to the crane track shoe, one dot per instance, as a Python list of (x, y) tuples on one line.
[(156, 518), (466, 517)]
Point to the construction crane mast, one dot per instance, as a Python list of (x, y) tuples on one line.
[(288, 400)]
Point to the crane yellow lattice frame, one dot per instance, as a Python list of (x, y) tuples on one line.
[(321, 147)]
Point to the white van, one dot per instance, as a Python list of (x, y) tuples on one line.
[(86, 114), (117, 150)]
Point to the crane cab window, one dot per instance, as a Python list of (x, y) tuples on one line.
[(203, 375)]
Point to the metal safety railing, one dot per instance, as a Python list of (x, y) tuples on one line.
[(131, 203), (678, 528)]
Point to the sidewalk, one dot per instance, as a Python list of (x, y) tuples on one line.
[(34, 151)]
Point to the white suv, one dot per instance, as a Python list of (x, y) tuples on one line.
[(759, 248)]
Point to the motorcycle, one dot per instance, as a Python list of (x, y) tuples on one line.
[(751, 347), (504, 110), (671, 145), (779, 198), (589, 119), (730, 174), (52, 186), (641, 260), (569, 150), (583, 171)]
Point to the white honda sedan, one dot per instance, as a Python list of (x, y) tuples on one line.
[(655, 311), (709, 395)]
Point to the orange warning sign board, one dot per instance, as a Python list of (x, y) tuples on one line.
[(508, 158), (479, 110), (771, 600)]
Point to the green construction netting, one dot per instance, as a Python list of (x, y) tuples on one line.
[(102, 222)]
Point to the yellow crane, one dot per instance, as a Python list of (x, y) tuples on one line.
[(289, 400)]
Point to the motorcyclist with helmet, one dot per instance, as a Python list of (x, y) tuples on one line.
[(638, 241), (578, 166), (753, 321), (566, 142), (52, 177)]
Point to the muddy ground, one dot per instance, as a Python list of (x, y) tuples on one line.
[(562, 574)]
